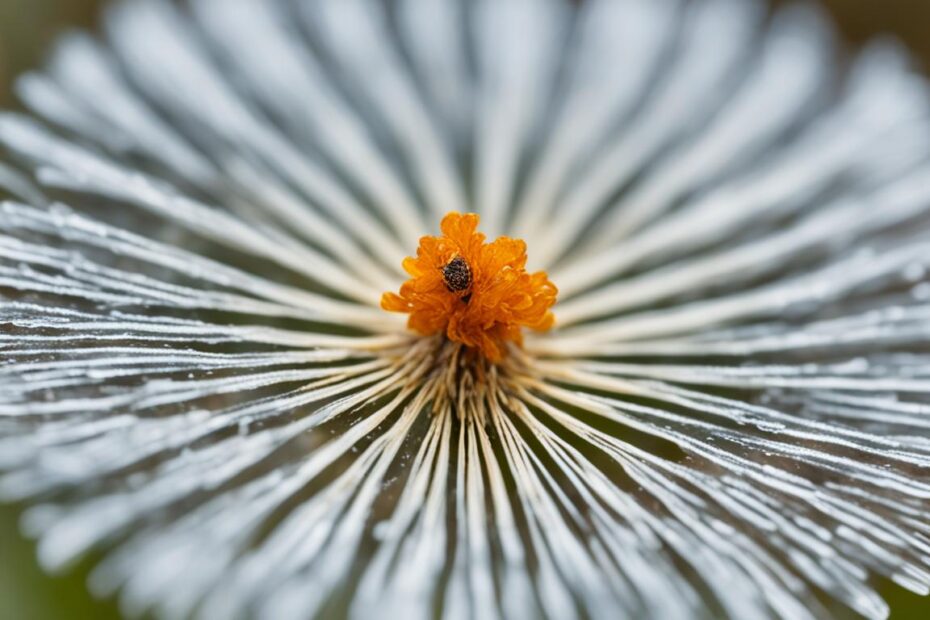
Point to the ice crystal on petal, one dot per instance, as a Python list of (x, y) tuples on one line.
[(204, 206)]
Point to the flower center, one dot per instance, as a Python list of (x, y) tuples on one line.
[(476, 293)]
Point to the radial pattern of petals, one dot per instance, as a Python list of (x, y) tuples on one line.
[(204, 203)]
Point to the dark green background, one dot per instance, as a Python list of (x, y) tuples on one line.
[(27, 27)]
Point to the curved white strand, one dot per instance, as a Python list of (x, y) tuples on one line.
[(516, 75), (137, 361), (289, 80), (869, 409), (150, 437), (162, 392), (433, 33), (551, 588), (830, 282), (90, 281), (893, 326), (520, 601), (88, 73), (356, 33), (18, 186), (763, 418), (791, 72), (634, 461), (634, 548), (852, 376), (715, 37), (614, 588), (266, 191), (49, 100), (470, 592), (634, 33), (846, 218), (402, 575), (78, 326), (184, 79), (872, 607), (83, 171), (266, 494), (868, 128), (62, 224), (328, 563)]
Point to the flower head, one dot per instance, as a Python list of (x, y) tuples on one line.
[(479, 294), (198, 383)]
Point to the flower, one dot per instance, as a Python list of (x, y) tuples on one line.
[(200, 388), (477, 293)]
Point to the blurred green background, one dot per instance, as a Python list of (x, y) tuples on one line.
[(26, 29)]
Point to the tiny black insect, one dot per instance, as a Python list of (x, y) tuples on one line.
[(457, 275)]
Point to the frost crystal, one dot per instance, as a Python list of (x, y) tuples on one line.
[(730, 419)]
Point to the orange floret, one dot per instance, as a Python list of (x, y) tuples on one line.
[(478, 293)]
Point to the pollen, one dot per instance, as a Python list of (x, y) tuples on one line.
[(476, 293)]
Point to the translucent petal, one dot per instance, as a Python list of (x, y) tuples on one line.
[(731, 417)]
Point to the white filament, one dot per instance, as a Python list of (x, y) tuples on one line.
[(731, 418)]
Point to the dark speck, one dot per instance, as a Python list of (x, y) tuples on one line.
[(457, 275)]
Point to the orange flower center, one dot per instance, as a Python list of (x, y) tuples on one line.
[(479, 294)]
